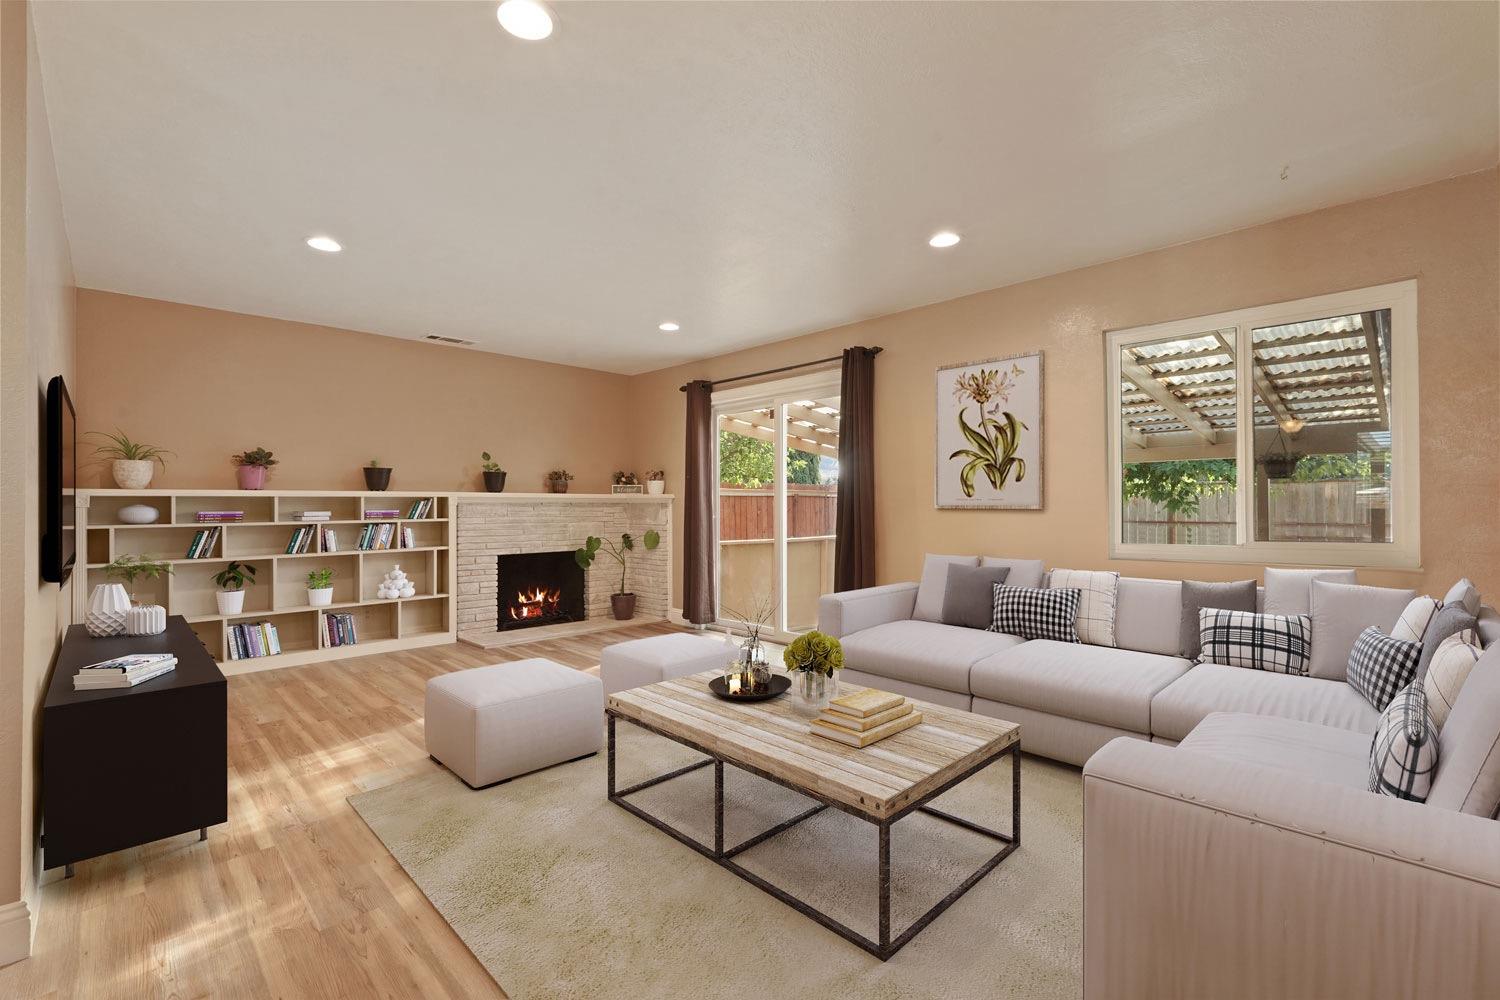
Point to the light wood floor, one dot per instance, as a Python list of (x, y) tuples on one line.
[(293, 897)]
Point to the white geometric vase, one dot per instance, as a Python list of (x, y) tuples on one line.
[(108, 606), (150, 619)]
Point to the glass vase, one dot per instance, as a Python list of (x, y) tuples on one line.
[(755, 666), (814, 690)]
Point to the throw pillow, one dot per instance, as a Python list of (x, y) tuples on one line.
[(1340, 614), (1379, 666), (1023, 572), (1450, 667), (1404, 752), (969, 600), (1098, 590), (1450, 620), (1036, 613), (1289, 591), (1464, 594), (1238, 596), (1469, 741), (934, 585), (1278, 643), (1412, 624)]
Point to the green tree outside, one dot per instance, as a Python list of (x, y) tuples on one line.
[(751, 462)]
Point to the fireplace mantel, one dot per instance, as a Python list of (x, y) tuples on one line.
[(493, 524)]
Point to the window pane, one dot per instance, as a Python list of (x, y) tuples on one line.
[(747, 514), (1323, 430), (812, 484), (1178, 414)]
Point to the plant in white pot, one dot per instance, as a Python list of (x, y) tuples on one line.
[(131, 463), (232, 581), (656, 482), (320, 588), (623, 602)]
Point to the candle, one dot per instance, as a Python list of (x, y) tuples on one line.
[(734, 683)]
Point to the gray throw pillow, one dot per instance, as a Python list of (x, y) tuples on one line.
[(969, 599), (1237, 596), (1450, 620)]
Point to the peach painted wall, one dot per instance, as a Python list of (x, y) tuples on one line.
[(207, 384), (1445, 235)]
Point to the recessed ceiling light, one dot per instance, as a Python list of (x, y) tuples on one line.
[(669, 328), (327, 244), (528, 19), (946, 238)]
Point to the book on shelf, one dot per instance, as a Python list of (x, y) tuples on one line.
[(419, 509), (337, 629), (383, 514), (408, 538), (376, 536), (252, 640), (301, 541), (202, 545), (123, 671), (313, 515), (220, 515), (330, 540)]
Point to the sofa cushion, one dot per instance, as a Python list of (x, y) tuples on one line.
[(1234, 596), (1023, 572), (969, 600), (1036, 612), (1340, 614), (1415, 617), (1465, 595), (1404, 753), (1209, 688), (1147, 615), (1379, 666), (1279, 643), (1446, 673), (1451, 619), (935, 584), (929, 653), (1468, 777), (1098, 592), (1289, 591), (1110, 687), (1323, 753)]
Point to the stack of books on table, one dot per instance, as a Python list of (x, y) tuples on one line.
[(214, 516), (123, 671), (202, 545), (252, 640), (313, 515), (865, 717)]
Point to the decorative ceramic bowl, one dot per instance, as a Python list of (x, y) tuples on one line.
[(139, 513)]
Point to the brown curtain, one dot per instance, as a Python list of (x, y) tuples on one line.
[(854, 543), (698, 507)]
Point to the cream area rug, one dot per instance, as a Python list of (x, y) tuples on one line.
[(560, 893)]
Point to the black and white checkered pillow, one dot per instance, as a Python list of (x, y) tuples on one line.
[(1379, 666), (1281, 644), (1404, 752), (1036, 612)]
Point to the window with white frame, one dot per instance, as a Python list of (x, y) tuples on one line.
[(1329, 472)]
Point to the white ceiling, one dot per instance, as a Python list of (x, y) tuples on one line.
[(751, 171)]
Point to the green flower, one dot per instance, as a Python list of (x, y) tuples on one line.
[(814, 652)]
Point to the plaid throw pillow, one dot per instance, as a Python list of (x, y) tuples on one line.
[(1404, 752), (1379, 666), (1036, 613), (1281, 644)]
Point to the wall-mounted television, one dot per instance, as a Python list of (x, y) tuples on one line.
[(59, 481)]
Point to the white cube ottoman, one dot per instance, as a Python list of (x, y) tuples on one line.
[(640, 662), (490, 724)]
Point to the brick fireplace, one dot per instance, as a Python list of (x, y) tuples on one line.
[(549, 527)]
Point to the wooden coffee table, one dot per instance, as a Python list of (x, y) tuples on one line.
[(879, 784)]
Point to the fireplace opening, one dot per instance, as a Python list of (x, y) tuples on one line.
[(538, 588)]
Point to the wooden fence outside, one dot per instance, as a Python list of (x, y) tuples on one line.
[(812, 512), (1328, 511)]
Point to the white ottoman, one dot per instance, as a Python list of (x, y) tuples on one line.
[(493, 723), (640, 662)]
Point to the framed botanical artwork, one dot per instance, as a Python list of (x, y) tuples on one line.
[(989, 434)]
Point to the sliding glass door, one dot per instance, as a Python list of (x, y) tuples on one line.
[(777, 457)]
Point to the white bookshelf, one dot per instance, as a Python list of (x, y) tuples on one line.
[(279, 594)]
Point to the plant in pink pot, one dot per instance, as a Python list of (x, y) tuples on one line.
[(253, 468)]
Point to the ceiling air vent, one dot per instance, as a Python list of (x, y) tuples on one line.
[(436, 339)]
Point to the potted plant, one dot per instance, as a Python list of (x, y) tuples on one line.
[(656, 482), (814, 658), (132, 463), (558, 480), (114, 611), (494, 476), (320, 588), (626, 482), (253, 468), (232, 581), (377, 476), (623, 602)]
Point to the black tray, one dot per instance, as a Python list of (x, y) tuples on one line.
[(780, 684)]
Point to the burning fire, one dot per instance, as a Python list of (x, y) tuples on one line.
[(538, 603)]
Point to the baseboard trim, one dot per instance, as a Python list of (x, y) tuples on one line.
[(15, 932)]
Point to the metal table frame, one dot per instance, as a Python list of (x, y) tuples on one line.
[(724, 857)]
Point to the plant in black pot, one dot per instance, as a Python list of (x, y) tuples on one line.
[(622, 603), (494, 476), (377, 476), (558, 480)]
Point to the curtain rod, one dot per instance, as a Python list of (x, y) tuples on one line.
[(786, 368)]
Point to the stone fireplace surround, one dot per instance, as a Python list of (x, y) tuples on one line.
[(489, 525)]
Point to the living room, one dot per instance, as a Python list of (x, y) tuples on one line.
[(468, 464)]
